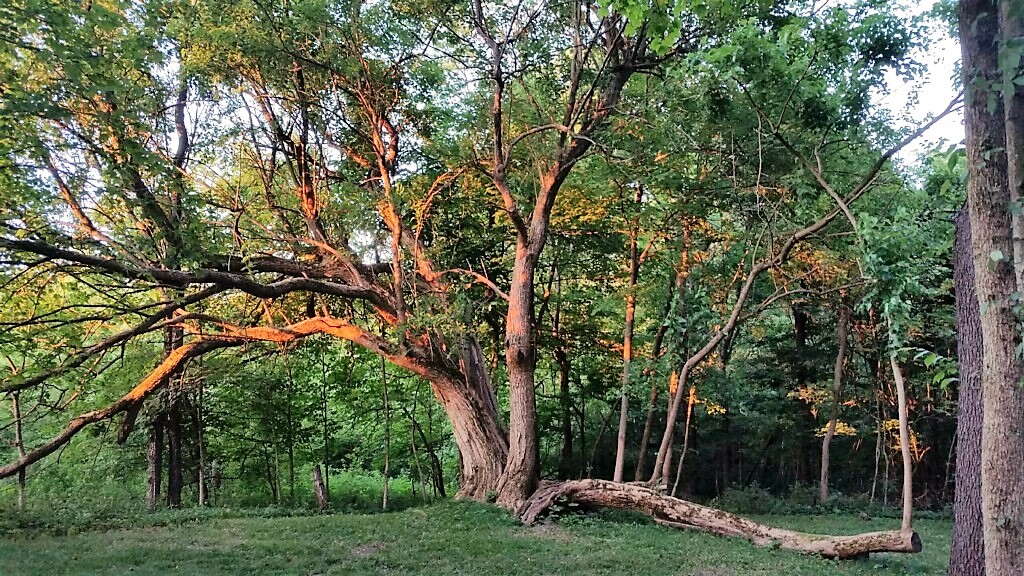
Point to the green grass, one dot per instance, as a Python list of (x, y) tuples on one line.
[(445, 538)]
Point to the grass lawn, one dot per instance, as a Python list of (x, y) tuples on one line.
[(445, 538)]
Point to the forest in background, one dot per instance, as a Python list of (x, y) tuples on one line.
[(446, 248)]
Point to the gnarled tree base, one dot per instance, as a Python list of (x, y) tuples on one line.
[(678, 513)]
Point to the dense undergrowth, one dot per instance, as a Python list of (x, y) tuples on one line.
[(83, 507), (111, 506)]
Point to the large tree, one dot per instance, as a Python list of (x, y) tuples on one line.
[(967, 556), (992, 72), (246, 174), (324, 109)]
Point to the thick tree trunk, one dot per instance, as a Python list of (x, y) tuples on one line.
[(678, 513), (173, 340), (519, 479), (482, 447), (967, 554), (1002, 453), (471, 407), (175, 474), (837, 391)]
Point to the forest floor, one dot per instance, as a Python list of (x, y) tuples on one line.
[(444, 538)]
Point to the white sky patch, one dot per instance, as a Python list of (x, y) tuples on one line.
[(913, 103)]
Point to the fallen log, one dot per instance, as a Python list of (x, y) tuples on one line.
[(677, 513)]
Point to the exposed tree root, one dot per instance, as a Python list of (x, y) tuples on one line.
[(677, 513)]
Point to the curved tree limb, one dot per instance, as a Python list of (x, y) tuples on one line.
[(152, 322), (229, 337), (154, 380), (677, 513), (203, 275)]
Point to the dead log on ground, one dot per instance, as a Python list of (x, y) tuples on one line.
[(677, 513)]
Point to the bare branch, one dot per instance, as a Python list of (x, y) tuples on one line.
[(176, 359), (151, 323), (479, 278), (203, 276)]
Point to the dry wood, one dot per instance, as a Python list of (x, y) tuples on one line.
[(323, 501), (678, 513)]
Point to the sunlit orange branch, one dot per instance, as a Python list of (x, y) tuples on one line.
[(157, 377)]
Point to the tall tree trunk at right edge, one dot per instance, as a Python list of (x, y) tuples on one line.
[(1011, 19), (837, 391), (989, 202), (967, 553), (627, 350)]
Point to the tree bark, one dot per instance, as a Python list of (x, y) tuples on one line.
[(203, 497), (154, 458), (686, 437), (470, 404), (837, 391), (323, 499), (482, 447), (988, 194), (678, 513), (173, 340), (387, 433), (519, 479), (565, 404), (967, 554), (908, 465), (1012, 23), (175, 474), (659, 338), (627, 351), (19, 441)]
